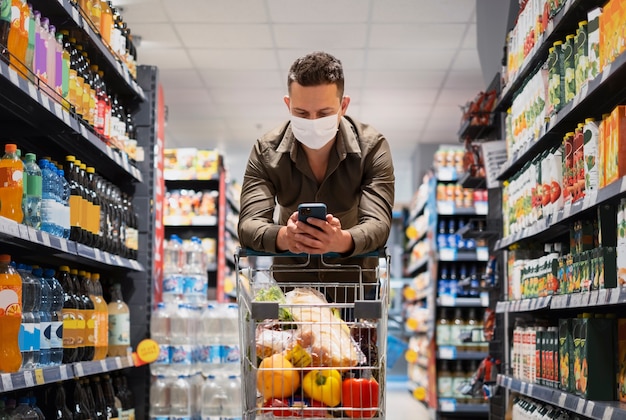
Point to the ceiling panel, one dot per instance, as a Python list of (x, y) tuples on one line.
[(351, 59), (238, 36), (238, 80), (423, 36), (233, 59), (156, 36), (467, 79), (417, 59), (165, 58), (411, 80), (174, 78), (323, 36), (396, 97), (423, 11), (306, 11), (466, 60), (216, 11)]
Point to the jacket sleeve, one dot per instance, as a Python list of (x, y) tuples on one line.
[(256, 226), (376, 203)]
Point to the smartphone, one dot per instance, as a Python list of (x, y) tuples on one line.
[(306, 210)]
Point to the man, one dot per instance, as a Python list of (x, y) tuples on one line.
[(319, 155)]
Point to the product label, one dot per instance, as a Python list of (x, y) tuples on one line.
[(90, 334), (75, 210), (443, 335), (46, 335), (70, 330), (10, 177), (164, 355), (195, 285), (172, 284), (11, 300), (182, 354), (444, 386), (101, 329), (119, 329), (33, 185), (5, 10), (29, 338), (231, 354), (56, 334)]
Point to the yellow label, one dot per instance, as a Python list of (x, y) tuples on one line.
[(95, 219), (90, 324), (39, 379), (76, 202), (148, 350), (86, 209)]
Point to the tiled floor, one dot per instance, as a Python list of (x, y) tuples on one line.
[(400, 404)]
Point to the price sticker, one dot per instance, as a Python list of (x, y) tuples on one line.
[(481, 207), (615, 295), (78, 367), (7, 382), (448, 405), (28, 378), (64, 374), (44, 238), (118, 362), (9, 227), (623, 185), (576, 300), (580, 405), (32, 91), (103, 365), (448, 300), (602, 296), (45, 101), (445, 207), (482, 253), (13, 77), (447, 254), (66, 118), (39, 378), (484, 299), (109, 152), (63, 245), (97, 254), (447, 352), (75, 14), (562, 399), (567, 210), (589, 408), (608, 413), (58, 110)]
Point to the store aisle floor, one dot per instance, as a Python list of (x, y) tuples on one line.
[(401, 405)]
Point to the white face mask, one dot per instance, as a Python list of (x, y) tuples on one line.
[(316, 133)]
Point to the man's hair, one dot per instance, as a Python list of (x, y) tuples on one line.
[(317, 68)]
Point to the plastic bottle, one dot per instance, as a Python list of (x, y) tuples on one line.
[(159, 332), (90, 315), (64, 210), (119, 323), (24, 410), (70, 309), (61, 411), (48, 198), (98, 394), (32, 401), (209, 337), (101, 329), (89, 399), (109, 397), (11, 184), (160, 399), (30, 330), (182, 337), (230, 352), (3, 413), (172, 278), (80, 316), (196, 382), (11, 317), (214, 398), (180, 398), (233, 407), (31, 206), (56, 317), (46, 318), (80, 409), (195, 279)]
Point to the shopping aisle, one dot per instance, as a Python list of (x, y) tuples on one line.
[(401, 404)]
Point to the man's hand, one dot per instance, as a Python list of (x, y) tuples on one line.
[(315, 237)]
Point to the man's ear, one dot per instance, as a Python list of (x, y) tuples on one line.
[(287, 101), (345, 101)]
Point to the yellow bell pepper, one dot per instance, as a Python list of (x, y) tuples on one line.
[(323, 386)]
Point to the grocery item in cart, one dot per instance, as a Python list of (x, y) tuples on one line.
[(331, 342)]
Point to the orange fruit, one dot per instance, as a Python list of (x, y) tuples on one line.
[(14, 309)]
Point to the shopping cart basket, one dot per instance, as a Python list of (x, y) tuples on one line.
[(313, 334)]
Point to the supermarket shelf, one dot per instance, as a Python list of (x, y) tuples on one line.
[(417, 265), (40, 116), (51, 374), (600, 410), (524, 305), (447, 174), (448, 208), (606, 89), (564, 20), (603, 297), (33, 240), (463, 302), (174, 178), (415, 241), (468, 181), (453, 254), (476, 132), (63, 13), (452, 405), (452, 353), (469, 231), (552, 224)]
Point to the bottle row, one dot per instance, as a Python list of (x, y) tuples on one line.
[(61, 66), (70, 201), (448, 236), (97, 397), (589, 158), (466, 198), (572, 355), (453, 379), (51, 317), (528, 409), (464, 329), (194, 339), (190, 207), (459, 280), (189, 163), (193, 397)]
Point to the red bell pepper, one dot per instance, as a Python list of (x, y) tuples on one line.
[(359, 397), (295, 407)]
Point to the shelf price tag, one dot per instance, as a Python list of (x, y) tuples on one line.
[(484, 299), (8, 226), (7, 383), (103, 365), (562, 399), (482, 253), (13, 77), (32, 91), (28, 378), (481, 207), (447, 254), (445, 207), (448, 300), (64, 374), (447, 352), (78, 367), (608, 413), (448, 405), (447, 173), (39, 378)]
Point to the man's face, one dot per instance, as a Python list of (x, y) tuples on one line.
[(312, 102)]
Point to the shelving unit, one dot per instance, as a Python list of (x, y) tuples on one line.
[(596, 97)]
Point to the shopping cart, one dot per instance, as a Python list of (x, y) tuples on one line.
[(313, 335)]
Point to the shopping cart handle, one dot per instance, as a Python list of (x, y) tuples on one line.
[(248, 252)]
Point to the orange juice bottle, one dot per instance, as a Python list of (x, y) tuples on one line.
[(106, 21), (102, 318), (10, 316), (18, 36), (11, 184)]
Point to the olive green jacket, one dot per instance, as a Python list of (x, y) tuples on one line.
[(358, 187)]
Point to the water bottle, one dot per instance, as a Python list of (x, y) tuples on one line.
[(160, 332), (230, 354), (172, 278), (33, 404), (233, 407), (209, 337), (214, 398), (64, 208), (46, 319), (48, 197), (32, 192), (180, 399), (195, 383), (182, 337), (195, 279), (56, 317), (24, 410), (160, 402), (30, 330)]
